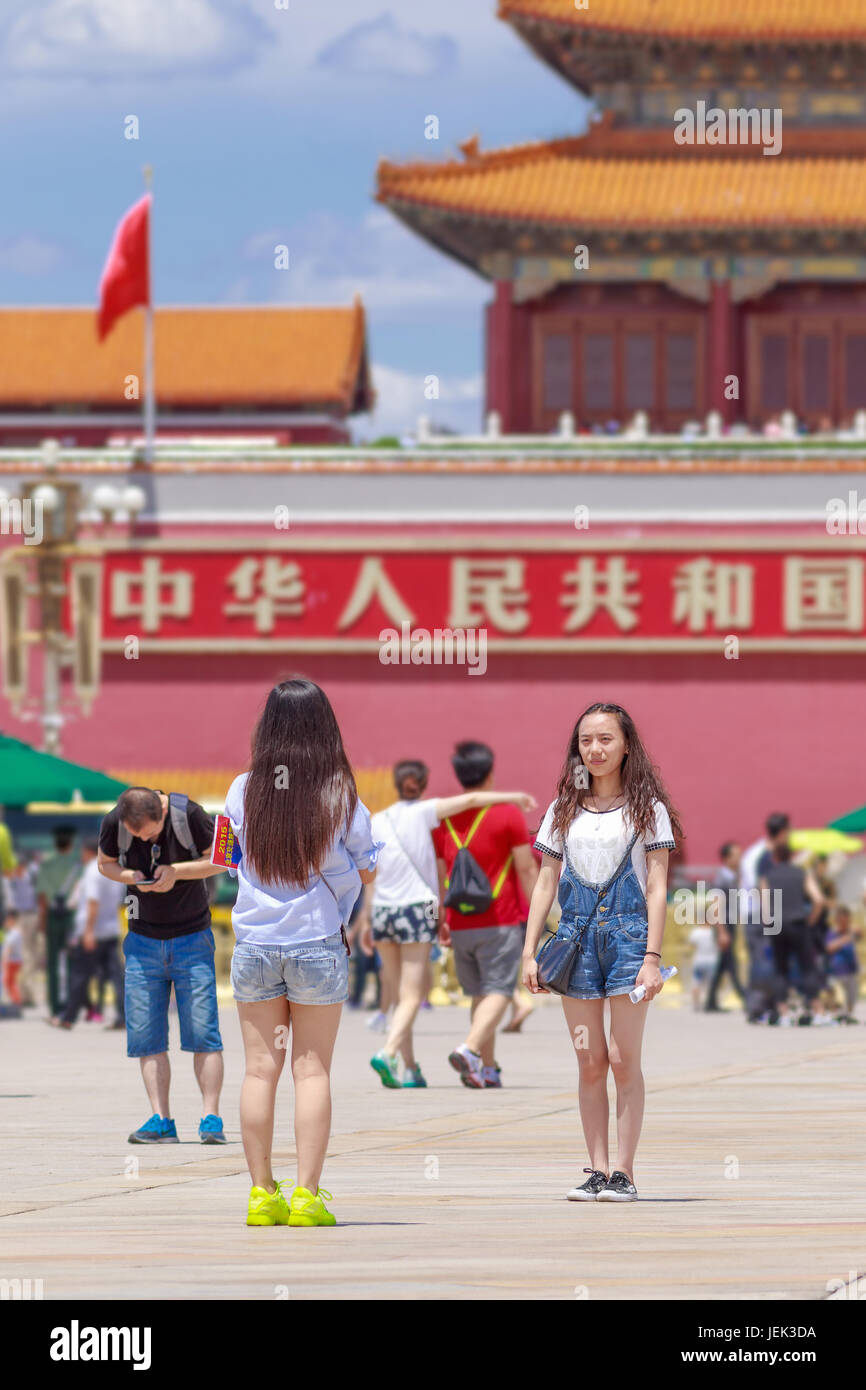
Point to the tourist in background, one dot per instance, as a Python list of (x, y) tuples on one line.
[(705, 960), (21, 895), (487, 944), (94, 939), (727, 886), (763, 982), (10, 957), (8, 862), (306, 848), (797, 905), (842, 963), (401, 909), (57, 876)]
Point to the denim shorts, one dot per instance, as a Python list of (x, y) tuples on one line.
[(611, 956), (152, 967), (314, 972)]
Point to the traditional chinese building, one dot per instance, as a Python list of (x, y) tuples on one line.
[(719, 598), (293, 374), (717, 589), (701, 247)]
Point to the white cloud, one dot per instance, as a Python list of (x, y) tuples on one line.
[(330, 260), (29, 255), (400, 401), (119, 39), (380, 48)]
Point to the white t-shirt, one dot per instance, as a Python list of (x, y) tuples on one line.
[(406, 871), (704, 941), (94, 887), (12, 946), (597, 841), (749, 864)]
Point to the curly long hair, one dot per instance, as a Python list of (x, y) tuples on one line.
[(641, 784), (300, 790)]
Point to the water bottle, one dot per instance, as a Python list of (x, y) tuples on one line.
[(666, 972)]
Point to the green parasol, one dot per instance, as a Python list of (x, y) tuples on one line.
[(28, 775), (854, 822)]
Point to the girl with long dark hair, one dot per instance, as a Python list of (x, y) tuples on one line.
[(306, 848), (605, 842)]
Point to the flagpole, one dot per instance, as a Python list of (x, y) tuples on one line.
[(149, 381)]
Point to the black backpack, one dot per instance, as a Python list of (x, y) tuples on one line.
[(468, 888)]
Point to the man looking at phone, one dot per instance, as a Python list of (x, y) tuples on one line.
[(159, 845)]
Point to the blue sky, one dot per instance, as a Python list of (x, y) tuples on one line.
[(264, 126)]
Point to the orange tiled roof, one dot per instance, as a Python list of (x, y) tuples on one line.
[(701, 19), (559, 182), (204, 356)]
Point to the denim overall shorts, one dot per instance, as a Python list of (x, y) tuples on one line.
[(610, 921)]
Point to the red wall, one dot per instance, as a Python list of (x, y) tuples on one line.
[(734, 739)]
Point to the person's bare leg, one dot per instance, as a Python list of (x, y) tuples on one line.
[(486, 1018), (314, 1032), (414, 959), (521, 1007), (264, 1029), (156, 1075), (627, 1022), (389, 955), (209, 1072), (585, 1020)]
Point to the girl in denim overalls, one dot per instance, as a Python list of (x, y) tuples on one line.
[(605, 841)]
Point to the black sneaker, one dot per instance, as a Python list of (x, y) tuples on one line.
[(618, 1189), (589, 1190)]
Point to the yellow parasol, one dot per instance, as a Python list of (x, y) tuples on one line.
[(825, 842)]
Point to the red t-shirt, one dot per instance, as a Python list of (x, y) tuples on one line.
[(501, 828)]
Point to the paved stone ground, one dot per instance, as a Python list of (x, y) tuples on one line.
[(750, 1171)]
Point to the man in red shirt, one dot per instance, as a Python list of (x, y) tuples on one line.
[(487, 945)]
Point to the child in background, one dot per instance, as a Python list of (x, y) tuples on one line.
[(704, 962), (11, 957), (842, 964)]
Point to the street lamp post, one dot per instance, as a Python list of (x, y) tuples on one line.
[(59, 507)]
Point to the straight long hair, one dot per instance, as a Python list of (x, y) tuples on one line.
[(300, 791), (641, 783)]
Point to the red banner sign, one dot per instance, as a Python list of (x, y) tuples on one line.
[(542, 596)]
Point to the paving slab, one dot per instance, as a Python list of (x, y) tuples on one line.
[(750, 1172)]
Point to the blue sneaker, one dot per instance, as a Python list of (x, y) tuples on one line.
[(156, 1131), (210, 1131)]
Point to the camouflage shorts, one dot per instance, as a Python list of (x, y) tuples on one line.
[(414, 922)]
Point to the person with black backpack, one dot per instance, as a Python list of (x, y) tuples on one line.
[(482, 855), (160, 845), (401, 909)]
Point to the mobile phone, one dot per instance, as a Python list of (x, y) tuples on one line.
[(145, 881)]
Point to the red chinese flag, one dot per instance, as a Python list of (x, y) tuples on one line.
[(125, 280)]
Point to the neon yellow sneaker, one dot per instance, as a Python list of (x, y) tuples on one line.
[(307, 1210), (267, 1208)]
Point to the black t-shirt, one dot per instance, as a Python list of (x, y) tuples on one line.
[(789, 880), (185, 908)]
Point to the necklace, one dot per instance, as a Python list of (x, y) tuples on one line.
[(600, 813)]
